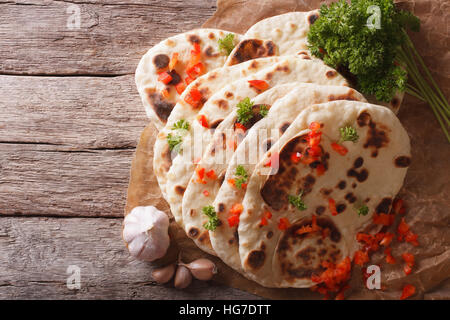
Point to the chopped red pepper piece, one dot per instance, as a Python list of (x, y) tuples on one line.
[(304, 229), (263, 222), (165, 93), (235, 212), (211, 174), (206, 193), (339, 149), (267, 216), (165, 77), (193, 98), (259, 84), (173, 61), (240, 126), (180, 86), (314, 138), (233, 220), (383, 219), (387, 239), (398, 206), (409, 259), (408, 291), (389, 258), (202, 120), (334, 278), (296, 157), (196, 70), (320, 169), (200, 174), (332, 206), (404, 233), (283, 224), (314, 151), (237, 208), (361, 257), (188, 80), (314, 126)]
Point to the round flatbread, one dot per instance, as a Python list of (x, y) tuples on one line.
[(158, 97), (260, 137), (277, 252)]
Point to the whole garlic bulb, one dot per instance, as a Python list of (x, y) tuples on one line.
[(146, 232)]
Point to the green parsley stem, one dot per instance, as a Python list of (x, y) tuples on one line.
[(422, 89), (427, 72)]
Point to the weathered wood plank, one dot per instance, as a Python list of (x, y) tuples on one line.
[(66, 144), (74, 112), (113, 35), (36, 252), (42, 180)]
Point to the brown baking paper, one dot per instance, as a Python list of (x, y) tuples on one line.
[(425, 192)]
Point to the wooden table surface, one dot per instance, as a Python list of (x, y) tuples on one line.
[(71, 118)]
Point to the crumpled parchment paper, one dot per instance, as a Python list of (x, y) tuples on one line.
[(426, 191)]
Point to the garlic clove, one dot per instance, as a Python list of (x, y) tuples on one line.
[(183, 277), (164, 274), (202, 269)]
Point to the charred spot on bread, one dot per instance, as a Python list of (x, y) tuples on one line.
[(313, 17), (361, 176), (180, 190), (160, 106), (193, 38), (384, 205), (193, 232), (284, 127), (255, 259), (161, 61), (250, 49), (402, 161)]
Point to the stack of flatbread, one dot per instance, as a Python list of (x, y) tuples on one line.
[(262, 148)]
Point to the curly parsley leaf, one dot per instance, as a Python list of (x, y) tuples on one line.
[(363, 210), (181, 124), (263, 110), (348, 133), (226, 44), (341, 37), (241, 176), (174, 140), (213, 221), (244, 110), (297, 201)]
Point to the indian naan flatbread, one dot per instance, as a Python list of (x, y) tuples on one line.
[(263, 134), (159, 104), (370, 173)]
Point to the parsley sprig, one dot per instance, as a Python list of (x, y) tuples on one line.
[(297, 201), (241, 176), (348, 133), (226, 44), (213, 221), (379, 59), (244, 110), (363, 210), (175, 140)]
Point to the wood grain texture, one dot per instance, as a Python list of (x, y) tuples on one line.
[(67, 144), (113, 35), (36, 252), (70, 121)]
